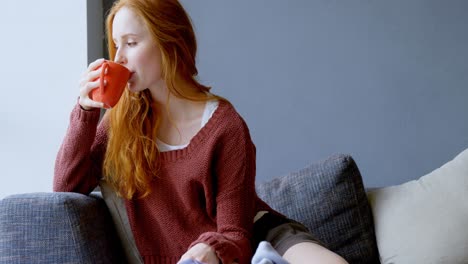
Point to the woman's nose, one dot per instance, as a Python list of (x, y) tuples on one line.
[(119, 58)]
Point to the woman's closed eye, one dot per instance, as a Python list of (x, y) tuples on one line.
[(129, 44)]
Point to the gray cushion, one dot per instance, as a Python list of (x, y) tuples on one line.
[(329, 198), (56, 228)]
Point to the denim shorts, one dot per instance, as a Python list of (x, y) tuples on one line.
[(281, 232)]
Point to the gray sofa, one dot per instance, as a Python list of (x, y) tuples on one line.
[(327, 196)]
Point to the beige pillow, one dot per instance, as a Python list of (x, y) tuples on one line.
[(426, 220)]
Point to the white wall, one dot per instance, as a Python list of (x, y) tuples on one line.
[(44, 51)]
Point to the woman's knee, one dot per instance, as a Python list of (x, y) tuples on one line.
[(309, 252)]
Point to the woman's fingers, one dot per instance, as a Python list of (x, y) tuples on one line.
[(89, 81), (89, 86), (88, 104), (95, 64), (85, 101), (93, 75)]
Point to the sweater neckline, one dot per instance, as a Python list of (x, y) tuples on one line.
[(173, 155)]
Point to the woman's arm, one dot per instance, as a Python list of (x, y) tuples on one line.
[(78, 165)]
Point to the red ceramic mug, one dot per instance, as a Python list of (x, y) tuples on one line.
[(116, 76)]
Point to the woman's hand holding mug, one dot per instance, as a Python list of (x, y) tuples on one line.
[(102, 84), (89, 81)]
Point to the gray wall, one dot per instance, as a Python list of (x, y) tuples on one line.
[(95, 29), (385, 81)]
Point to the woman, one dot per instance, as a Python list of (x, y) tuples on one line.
[(180, 156)]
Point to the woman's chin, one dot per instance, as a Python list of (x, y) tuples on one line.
[(132, 88)]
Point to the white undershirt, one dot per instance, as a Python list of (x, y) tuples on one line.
[(210, 108)]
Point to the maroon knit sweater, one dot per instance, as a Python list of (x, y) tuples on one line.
[(205, 192)]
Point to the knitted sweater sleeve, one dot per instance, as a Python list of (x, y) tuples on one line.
[(235, 177), (78, 164)]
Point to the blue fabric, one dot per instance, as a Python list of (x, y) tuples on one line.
[(56, 228), (191, 261), (328, 197), (265, 253)]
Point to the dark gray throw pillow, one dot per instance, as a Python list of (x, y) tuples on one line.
[(57, 228), (329, 198)]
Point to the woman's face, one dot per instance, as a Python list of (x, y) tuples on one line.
[(136, 49)]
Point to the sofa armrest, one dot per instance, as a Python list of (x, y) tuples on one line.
[(57, 228)]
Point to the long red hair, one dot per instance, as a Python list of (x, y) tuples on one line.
[(131, 160)]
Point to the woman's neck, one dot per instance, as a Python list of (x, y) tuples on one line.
[(180, 117), (177, 108)]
